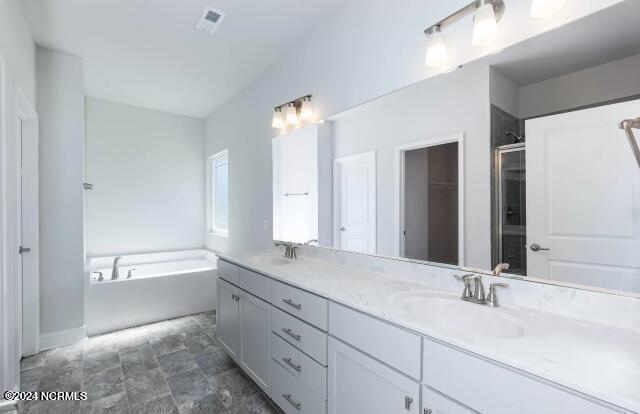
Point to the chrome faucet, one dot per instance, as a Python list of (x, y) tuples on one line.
[(476, 295), (114, 272), (308, 242), (497, 271), (289, 251)]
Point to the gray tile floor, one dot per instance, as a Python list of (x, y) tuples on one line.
[(169, 367)]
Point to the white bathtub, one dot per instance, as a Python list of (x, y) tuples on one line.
[(162, 286)]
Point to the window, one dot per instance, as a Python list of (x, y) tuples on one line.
[(218, 171)]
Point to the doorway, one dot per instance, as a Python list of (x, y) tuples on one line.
[(430, 196)]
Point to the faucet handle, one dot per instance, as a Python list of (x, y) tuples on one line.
[(492, 298), (466, 278)]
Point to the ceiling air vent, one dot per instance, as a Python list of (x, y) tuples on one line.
[(210, 20)]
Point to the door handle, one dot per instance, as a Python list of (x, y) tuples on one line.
[(23, 250), (343, 228), (535, 247)]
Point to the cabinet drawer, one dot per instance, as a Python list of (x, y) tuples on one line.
[(228, 272), (436, 403), (492, 388), (304, 305), (300, 365), (305, 337), (292, 395), (255, 283), (390, 344)]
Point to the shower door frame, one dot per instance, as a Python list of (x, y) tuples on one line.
[(503, 149)]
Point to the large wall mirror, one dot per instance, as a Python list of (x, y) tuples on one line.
[(515, 158)]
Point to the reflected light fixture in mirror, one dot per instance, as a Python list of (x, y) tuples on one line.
[(485, 26), (545, 8), (306, 109), (436, 49), (278, 121), (291, 115), (487, 13)]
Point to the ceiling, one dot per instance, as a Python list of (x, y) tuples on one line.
[(607, 35), (149, 54)]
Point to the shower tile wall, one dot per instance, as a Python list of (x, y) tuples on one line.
[(514, 252)]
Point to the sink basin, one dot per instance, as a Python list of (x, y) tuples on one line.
[(269, 260), (449, 314)]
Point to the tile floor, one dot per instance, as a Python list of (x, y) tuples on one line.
[(169, 367)]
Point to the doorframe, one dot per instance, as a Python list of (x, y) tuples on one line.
[(399, 204), (29, 290), (370, 158)]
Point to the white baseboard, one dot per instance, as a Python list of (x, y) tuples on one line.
[(62, 338)]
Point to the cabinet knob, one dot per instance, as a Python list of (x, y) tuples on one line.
[(427, 411), (407, 402)]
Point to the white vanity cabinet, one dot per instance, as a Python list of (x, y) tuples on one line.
[(489, 387), (255, 339), (228, 318), (435, 403), (244, 331), (314, 356), (360, 384)]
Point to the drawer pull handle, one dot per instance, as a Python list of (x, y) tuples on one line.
[(289, 362), (292, 304), (407, 402), (292, 402), (427, 411), (292, 334)]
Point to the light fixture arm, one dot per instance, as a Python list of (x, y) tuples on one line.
[(498, 9)]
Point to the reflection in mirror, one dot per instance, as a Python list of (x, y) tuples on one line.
[(516, 158)]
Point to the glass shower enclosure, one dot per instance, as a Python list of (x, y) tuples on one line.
[(511, 205)]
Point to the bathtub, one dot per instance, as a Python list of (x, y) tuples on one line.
[(161, 286)]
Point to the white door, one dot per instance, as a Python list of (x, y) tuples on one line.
[(255, 337), (228, 318), (27, 218), (355, 205), (359, 384), (583, 198)]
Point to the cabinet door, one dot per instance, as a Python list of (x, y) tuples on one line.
[(360, 384), (255, 337), (228, 322), (436, 403)]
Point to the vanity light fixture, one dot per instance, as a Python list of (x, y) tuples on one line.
[(278, 121), (485, 28), (436, 49), (306, 109), (545, 8), (293, 113)]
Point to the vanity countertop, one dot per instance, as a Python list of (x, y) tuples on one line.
[(595, 359)]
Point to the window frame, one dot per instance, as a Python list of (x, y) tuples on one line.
[(211, 194)]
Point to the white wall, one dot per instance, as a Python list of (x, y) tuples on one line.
[(504, 93), (148, 172), (365, 50), (62, 137), (610, 81), (424, 111), (17, 60)]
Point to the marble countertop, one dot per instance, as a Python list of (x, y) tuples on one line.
[(595, 359)]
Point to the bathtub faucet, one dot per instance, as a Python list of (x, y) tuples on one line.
[(114, 273)]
